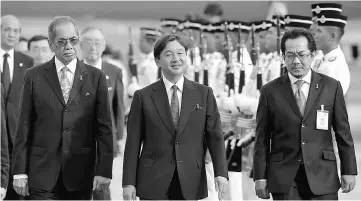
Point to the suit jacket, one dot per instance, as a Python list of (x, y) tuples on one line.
[(165, 149), (116, 99), (295, 138), (53, 136), (5, 164), (21, 63)]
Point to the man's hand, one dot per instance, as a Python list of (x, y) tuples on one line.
[(129, 193), (262, 189), (221, 186), (21, 186), (100, 183), (348, 183), (2, 193)]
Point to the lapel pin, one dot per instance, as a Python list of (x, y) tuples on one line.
[(87, 94), (107, 77), (110, 88), (316, 86), (81, 77), (21, 64)]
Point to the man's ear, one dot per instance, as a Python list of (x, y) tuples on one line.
[(157, 62), (51, 46)]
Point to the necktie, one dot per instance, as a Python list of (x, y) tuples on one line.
[(65, 83), (174, 106), (300, 96), (5, 76)]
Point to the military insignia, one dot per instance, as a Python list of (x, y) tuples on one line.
[(318, 9), (322, 19), (288, 19), (21, 64), (331, 59)]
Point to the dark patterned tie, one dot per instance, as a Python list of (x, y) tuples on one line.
[(300, 96), (65, 83), (174, 106), (5, 76)]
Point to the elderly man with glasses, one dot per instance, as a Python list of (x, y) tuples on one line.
[(64, 125)]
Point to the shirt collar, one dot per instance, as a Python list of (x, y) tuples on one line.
[(97, 65), (168, 84), (11, 52), (59, 65), (306, 78), (333, 53)]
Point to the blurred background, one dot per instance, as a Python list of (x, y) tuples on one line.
[(114, 18)]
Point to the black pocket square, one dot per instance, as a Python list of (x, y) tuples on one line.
[(197, 107)]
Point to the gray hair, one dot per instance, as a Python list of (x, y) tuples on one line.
[(60, 20)]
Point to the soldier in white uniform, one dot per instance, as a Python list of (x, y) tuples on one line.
[(317, 9), (328, 35), (271, 44), (147, 70)]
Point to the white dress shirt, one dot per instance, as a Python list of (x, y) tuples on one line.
[(10, 61), (305, 88), (168, 88), (70, 73), (98, 65)]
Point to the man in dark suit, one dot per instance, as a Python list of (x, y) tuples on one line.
[(172, 119), (64, 124), (13, 67), (294, 157), (92, 44), (5, 164)]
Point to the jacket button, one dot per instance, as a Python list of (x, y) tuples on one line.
[(304, 142), (299, 160), (303, 125), (177, 143), (66, 111)]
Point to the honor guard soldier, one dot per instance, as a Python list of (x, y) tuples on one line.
[(300, 21), (146, 67), (317, 9), (328, 35), (272, 43)]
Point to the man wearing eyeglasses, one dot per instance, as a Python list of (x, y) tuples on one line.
[(92, 44), (293, 156), (64, 124)]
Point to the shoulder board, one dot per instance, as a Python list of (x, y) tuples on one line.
[(331, 59)]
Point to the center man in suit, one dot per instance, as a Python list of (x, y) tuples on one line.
[(92, 44), (13, 67), (169, 122), (294, 157), (64, 124)]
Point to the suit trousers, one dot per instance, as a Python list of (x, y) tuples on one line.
[(174, 190), (59, 192), (300, 190)]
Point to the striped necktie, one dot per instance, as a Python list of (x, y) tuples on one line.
[(174, 106), (300, 96), (65, 83)]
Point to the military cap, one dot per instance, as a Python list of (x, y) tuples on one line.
[(331, 19), (234, 26), (262, 25), (319, 8), (169, 22), (150, 32), (298, 21)]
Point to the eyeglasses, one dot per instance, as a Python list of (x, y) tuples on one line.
[(92, 42), (73, 41), (291, 57)]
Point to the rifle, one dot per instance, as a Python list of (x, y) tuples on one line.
[(192, 56), (259, 73), (240, 49), (203, 52), (131, 61), (229, 48), (282, 70)]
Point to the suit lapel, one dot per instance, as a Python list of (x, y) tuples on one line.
[(18, 75), (189, 100), (160, 99), (289, 95), (79, 77), (315, 89), (52, 77)]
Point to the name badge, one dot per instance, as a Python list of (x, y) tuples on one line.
[(322, 119)]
